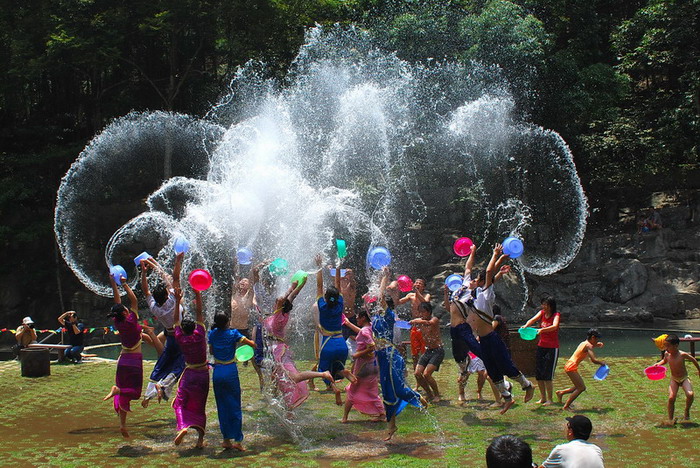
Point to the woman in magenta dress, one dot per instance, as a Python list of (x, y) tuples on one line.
[(129, 378), (193, 388), (363, 394), (289, 381)]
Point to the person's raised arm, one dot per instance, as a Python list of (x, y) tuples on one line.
[(293, 290), (115, 290), (198, 307), (406, 298), (144, 279), (62, 318), (421, 297), (469, 266), (492, 267), (176, 311), (133, 302), (167, 279), (177, 269), (383, 283), (534, 319), (336, 281), (319, 275), (503, 270)]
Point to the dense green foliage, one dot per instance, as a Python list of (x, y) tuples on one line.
[(619, 80)]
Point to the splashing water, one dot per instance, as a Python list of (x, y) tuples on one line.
[(341, 149)]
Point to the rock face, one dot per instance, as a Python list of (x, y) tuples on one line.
[(620, 275), (626, 280)]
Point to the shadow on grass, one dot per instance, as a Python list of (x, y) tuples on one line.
[(159, 423), (133, 451)]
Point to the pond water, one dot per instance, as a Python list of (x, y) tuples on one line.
[(618, 342)]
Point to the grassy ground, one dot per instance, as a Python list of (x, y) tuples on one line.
[(61, 421)]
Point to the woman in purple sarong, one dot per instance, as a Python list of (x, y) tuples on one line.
[(129, 379), (193, 388)]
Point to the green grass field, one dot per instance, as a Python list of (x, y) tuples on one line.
[(61, 421)]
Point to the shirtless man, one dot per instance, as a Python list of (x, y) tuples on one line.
[(434, 354), (417, 297), (679, 376)]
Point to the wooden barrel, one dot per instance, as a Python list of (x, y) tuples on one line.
[(524, 353), (35, 362)]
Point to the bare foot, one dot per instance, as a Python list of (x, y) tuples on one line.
[(338, 398), (686, 417), (145, 402), (423, 402), (311, 385), (112, 392), (496, 404), (462, 397), (200, 444), (124, 432), (327, 376), (541, 401), (390, 434), (435, 399), (344, 421), (180, 435), (560, 394), (227, 444), (478, 396), (568, 408), (548, 403), (529, 393), (161, 394), (238, 446), (507, 406), (380, 418), (669, 423)]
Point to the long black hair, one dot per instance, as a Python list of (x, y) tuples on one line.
[(221, 321), (117, 312)]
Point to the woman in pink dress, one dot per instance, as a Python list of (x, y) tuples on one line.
[(364, 393), (289, 381)]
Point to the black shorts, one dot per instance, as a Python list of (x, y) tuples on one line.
[(545, 363), (433, 356)]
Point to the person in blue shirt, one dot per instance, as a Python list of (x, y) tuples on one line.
[(333, 350), (227, 387)]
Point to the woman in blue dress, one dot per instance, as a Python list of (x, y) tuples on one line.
[(333, 348), (396, 394), (227, 387)]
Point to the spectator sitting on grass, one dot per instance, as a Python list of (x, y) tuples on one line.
[(577, 452)]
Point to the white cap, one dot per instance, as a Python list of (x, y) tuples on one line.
[(27, 321)]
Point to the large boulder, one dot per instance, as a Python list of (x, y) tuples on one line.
[(624, 279)]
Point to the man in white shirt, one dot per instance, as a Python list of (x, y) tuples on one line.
[(577, 453), (171, 362)]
